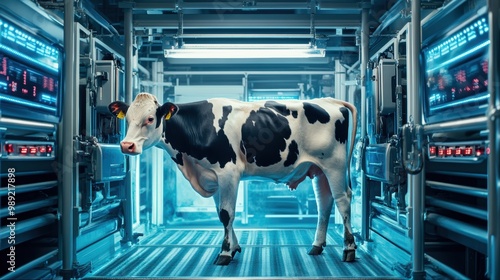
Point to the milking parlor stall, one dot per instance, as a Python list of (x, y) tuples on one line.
[(200, 139)]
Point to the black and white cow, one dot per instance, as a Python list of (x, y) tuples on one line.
[(218, 142)]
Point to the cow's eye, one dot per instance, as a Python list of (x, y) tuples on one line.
[(151, 119)]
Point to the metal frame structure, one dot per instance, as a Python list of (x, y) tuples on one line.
[(494, 139)]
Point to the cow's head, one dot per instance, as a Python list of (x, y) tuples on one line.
[(145, 121)]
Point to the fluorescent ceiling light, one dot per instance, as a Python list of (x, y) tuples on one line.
[(245, 51)]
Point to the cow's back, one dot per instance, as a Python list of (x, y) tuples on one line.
[(273, 138)]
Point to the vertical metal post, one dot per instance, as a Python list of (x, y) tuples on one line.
[(340, 75), (409, 85), (416, 185), (129, 197), (365, 32), (69, 167), (244, 214), (494, 139), (157, 162)]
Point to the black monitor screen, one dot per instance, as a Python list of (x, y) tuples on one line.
[(456, 73)]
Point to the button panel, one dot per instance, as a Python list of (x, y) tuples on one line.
[(459, 151), (16, 149)]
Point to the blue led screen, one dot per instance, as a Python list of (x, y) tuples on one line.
[(30, 74), (456, 73)]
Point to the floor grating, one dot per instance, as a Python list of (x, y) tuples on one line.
[(266, 254)]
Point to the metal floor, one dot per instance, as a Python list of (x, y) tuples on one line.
[(266, 254)]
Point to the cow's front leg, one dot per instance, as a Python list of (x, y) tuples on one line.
[(225, 201)]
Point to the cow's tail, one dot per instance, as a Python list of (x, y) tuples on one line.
[(354, 113)]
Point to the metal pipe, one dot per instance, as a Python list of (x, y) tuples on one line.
[(30, 206), (415, 181), (494, 138), (459, 208), (390, 213), (453, 274), (91, 12), (391, 231), (27, 125), (481, 193), (69, 171), (477, 123), (173, 6), (128, 217), (30, 187), (192, 73), (30, 266), (390, 16), (365, 203), (461, 232), (29, 225), (340, 88)]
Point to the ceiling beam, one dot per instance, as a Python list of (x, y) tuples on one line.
[(173, 5), (245, 21)]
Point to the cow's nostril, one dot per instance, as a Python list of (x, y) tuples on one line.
[(131, 147)]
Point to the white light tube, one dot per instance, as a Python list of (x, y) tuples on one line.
[(245, 51)]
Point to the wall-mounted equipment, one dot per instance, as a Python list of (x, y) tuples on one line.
[(386, 86), (456, 73), (111, 84), (109, 163), (30, 75), (380, 163), (27, 150), (467, 151)]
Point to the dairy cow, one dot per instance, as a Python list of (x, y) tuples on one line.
[(218, 142)]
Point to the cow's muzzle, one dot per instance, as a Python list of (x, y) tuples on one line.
[(129, 148)]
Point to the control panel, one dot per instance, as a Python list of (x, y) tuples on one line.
[(29, 150), (476, 151)]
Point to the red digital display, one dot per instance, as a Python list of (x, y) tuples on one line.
[(20, 81), (23, 150)]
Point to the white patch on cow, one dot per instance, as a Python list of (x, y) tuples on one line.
[(143, 134)]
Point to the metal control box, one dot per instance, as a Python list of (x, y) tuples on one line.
[(386, 86), (111, 84), (380, 163), (109, 163)]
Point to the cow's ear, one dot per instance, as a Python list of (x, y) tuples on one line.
[(167, 110), (118, 108)]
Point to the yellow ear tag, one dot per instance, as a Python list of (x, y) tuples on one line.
[(120, 115), (167, 117)]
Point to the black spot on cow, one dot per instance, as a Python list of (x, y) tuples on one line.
[(178, 159), (342, 127), (224, 217), (315, 113), (295, 114), (280, 108), (293, 154), (191, 131), (263, 137), (225, 113)]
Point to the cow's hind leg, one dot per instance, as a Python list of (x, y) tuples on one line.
[(324, 202), (342, 195), (225, 201)]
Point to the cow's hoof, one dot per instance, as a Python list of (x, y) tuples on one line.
[(316, 250), (238, 249), (223, 260), (349, 255)]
